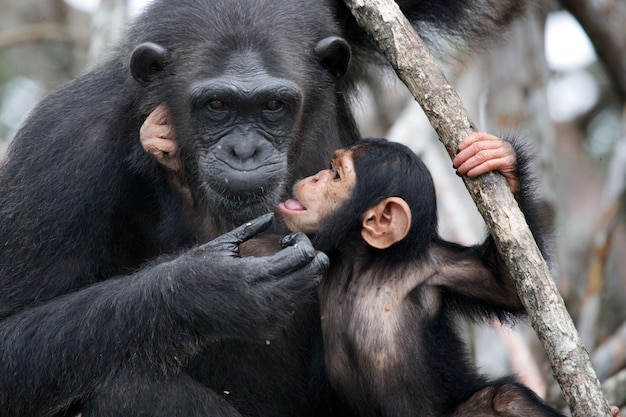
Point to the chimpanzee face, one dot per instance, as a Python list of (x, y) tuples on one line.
[(240, 118), (318, 196), (242, 124)]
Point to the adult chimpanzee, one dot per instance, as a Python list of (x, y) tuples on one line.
[(393, 287), (107, 301)]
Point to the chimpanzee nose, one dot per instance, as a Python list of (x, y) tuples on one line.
[(244, 149)]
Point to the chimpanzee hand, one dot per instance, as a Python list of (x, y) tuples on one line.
[(481, 152), (157, 138), (297, 253), (249, 297)]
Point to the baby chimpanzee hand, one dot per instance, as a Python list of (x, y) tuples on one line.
[(482, 152), (157, 138)]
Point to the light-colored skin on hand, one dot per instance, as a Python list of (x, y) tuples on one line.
[(482, 152), (157, 138)]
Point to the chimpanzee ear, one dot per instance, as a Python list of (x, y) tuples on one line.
[(386, 223), (334, 54), (147, 61)]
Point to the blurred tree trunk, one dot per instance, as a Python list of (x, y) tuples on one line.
[(42, 38), (605, 24), (108, 23)]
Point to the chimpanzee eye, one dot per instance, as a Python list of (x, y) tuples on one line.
[(334, 171), (274, 105), (217, 105)]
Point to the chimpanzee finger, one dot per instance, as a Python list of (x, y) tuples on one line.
[(505, 165), (307, 276), (158, 146), (302, 279), (159, 116), (475, 147), (242, 233), (488, 153), (290, 239), (478, 137), (298, 254), (487, 161), (485, 155), (293, 239), (319, 265)]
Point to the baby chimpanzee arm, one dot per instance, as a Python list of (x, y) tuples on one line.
[(478, 278), (473, 281)]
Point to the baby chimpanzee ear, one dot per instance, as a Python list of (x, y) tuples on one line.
[(386, 223)]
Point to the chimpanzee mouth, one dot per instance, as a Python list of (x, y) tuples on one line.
[(246, 181), (237, 189), (241, 206), (291, 205)]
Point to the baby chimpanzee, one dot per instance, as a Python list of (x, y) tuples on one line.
[(389, 300)]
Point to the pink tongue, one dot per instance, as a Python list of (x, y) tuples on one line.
[(292, 204)]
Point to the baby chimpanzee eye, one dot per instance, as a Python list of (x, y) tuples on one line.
[(334, 171)]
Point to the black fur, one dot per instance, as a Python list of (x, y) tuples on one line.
[(83, 208)]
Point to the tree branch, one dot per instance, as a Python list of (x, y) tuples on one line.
[(385, 24), (603, 21)]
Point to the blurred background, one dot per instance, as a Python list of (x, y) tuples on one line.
[(557, 78)]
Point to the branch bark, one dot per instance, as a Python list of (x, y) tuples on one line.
[(387, 26)]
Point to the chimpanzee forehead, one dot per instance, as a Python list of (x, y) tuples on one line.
[(343, 161), (341, 155), (352, 152)]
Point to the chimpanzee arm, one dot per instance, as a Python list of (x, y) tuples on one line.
[(61, 350), (476, 278), (482, 152), (471, 282), (536, 212)]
